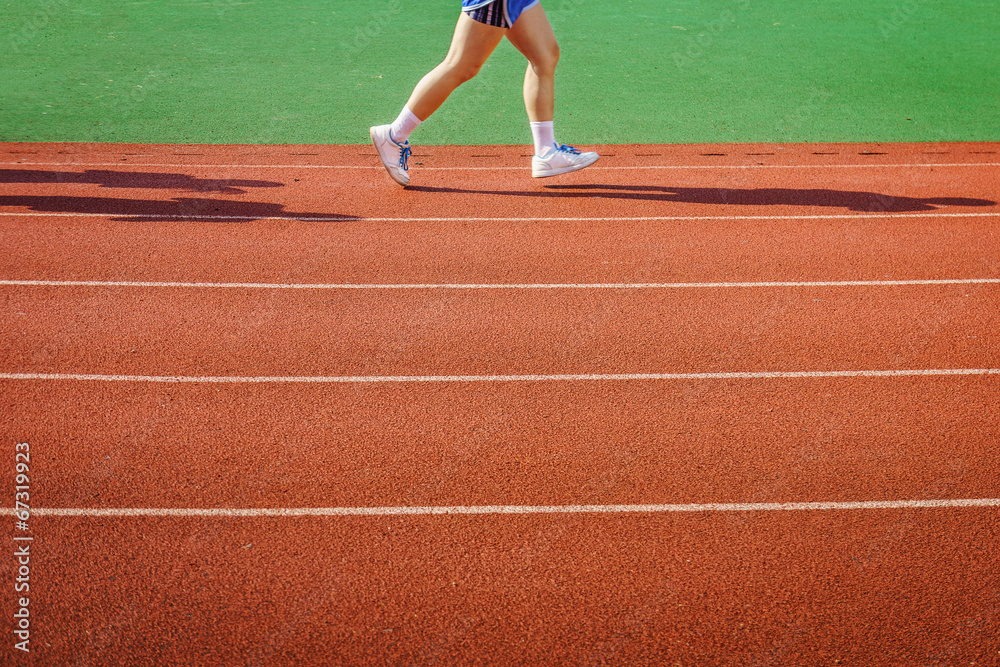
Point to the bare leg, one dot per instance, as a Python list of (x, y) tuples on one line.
[(532, 35), (470, 47)]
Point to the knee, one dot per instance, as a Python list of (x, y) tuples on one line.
[(461, 71), (545, 63)]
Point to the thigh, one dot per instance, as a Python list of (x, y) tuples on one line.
[(532, 35), (473, 42)]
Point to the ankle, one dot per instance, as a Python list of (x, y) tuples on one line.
[(404, 124), (544, 135)]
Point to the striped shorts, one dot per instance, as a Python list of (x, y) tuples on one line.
[(491, 14)]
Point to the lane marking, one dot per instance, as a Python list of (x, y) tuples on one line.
[(347, 218), (236, 513), (476, 168), (496, 286), (398, 379)]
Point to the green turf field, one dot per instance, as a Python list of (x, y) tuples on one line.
[(644, 71)]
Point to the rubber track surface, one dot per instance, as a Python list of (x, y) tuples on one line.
[(648, 343)]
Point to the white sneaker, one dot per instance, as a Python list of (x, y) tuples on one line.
[(394, 156), (561, 159)]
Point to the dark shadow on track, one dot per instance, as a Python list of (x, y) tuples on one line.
[(134, 179), (178, 209), (869, 202)]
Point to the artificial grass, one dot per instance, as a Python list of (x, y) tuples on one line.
[(632, 71)]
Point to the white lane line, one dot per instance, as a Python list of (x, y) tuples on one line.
[(203, 218), (379, 167), (236, 513), (398, 379), (660, 218), (496, 286)]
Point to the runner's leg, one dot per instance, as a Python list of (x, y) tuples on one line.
[(471, 45), (532, 35)]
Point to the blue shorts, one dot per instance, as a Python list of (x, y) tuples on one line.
[(499, 13)]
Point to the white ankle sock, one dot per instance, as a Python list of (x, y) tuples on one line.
[(404, 125), (545, 137)]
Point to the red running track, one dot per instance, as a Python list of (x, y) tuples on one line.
[(696, 405)]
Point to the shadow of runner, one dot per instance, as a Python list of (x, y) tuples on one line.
[(179, 209), (871, 202), (853, 201), (134, 179)]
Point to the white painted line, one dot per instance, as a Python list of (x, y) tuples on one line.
[(201, 218), (236, 513), (495, 286), (660, 218), (398, 379), (379, 167)]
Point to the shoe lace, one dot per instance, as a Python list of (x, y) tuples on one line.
[(568, 149), (404, 156)]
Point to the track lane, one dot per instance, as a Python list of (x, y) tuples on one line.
[(573, 590), (250, 446), (538, 251), (135, 193), (206, 332)]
